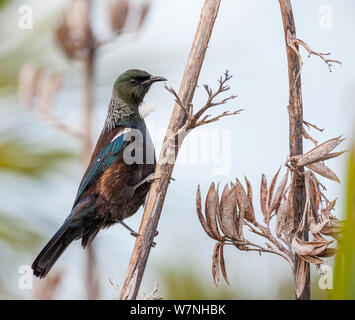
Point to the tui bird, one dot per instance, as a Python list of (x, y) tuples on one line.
[(118, 177)]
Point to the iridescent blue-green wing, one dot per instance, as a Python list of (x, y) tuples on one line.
[(102, 162)]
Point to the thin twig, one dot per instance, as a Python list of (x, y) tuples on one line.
[(308, 124), (194, 120), (312, 52)]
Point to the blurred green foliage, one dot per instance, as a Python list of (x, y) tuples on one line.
[(344, 281), (16, 233), (3, 3), (20, 46), (32, 161), (26, 160), (186, 283), (286, 291), (18, 157)]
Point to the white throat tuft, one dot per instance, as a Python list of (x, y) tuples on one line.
[(145, 108)]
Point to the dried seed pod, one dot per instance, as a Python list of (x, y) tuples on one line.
[(279, 193), (118, 12), (143, 15), (240, 220), (333, 228), (263, 198), (307, 183), (331, 156), (250, 191), (330, 226), (301, 275), (329, 252), (228, 213), (77, 17), (284, 220), (211, 210), (243, 198), (281, 217), (28, 82), (317, 227), (200, 215), (271, 189), (315, 198), (50, 84), (326, 211), (223, 265), (73, 34), (318, 237), (319, 151), (310, 195), (311, 248), (215, 263), (313, 260), (311, 251), (323, 170)]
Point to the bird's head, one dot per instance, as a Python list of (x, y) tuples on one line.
[(132, 85)]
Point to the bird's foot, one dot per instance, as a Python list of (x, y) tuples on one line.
[(136, 234), (154, 243), (133, 233), (148, 179)]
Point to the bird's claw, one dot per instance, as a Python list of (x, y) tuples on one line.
[(135, 234), (149, 179)]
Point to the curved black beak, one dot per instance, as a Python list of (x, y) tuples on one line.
[(154, 79)]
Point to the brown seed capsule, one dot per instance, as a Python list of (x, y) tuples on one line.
[(118, 12), (323, 170), (319, 151)]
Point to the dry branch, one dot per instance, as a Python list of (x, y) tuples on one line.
[(295, 110), (169, 150), (293, 44), (194, 120)]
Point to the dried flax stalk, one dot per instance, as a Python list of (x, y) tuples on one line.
[(298, 205), (158, 189)]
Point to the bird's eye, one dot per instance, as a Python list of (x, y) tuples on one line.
[(134, 81)]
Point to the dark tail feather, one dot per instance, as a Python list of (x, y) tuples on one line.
[(52, 251)]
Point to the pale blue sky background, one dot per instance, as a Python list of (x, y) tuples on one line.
[(248, 41)]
